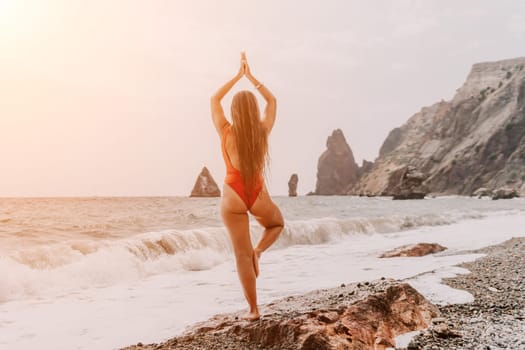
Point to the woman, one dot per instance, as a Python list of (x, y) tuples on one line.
[(245, 151)]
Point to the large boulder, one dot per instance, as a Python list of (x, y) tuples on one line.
[(336, 168), (419, 249), (205, 185), (482, 192), (406, 183), (505, 193), (362, 316), (292, 185)]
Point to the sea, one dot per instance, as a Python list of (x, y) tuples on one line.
[(107, 272)]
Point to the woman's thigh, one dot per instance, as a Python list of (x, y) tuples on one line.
[(265, 210), (235, 218)]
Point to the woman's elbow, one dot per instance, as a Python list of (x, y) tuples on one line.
[(215, 102)]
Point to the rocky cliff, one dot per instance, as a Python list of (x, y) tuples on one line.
[(475, 140)]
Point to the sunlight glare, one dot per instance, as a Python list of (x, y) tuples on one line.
[(17, 18), (9, 13), (6, 9)]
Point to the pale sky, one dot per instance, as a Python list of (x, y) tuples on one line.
[(104, 98)]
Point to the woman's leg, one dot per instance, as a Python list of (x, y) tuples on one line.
[(235, 217), (270, 217)]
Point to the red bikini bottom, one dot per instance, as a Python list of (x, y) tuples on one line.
[(234, 180)]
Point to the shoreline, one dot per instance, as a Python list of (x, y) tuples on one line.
[(491, 279), (496, 317)]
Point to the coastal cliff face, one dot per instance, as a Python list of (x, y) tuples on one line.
[(475, 140)]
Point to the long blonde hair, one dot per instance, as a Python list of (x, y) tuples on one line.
[(251, 139)]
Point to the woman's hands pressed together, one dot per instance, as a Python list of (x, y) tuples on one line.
[(242, 68), (217, 112), (244, 63)]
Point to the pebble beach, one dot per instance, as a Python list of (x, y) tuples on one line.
[(496, 317)]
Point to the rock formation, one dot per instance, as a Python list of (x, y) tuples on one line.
[(205, 186), (406, 183), (499, 193), (418, 249), (482, 192), (336, 168), (292, 185), (359, 316), (366, 166), (391, 142), (505, 193), (475, 140)]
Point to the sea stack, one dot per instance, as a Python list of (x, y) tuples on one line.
[(205, 186), (292, 185), (336, 168)]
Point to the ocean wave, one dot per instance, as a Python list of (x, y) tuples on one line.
[(83, 264)]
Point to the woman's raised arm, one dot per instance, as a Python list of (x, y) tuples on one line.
[(271, 102), (217, 113)]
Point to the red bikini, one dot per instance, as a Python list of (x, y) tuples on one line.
[(234, 177)]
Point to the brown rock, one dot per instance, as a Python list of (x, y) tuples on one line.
[(336, 168), (406, 183), (369, 319), (205, 186), (292, 185), (419, 249), (443, 330), (482, 192), (505, 193), (365, 167), (328, 317)]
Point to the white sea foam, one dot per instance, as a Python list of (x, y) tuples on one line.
[(429, 284), (82, 264)]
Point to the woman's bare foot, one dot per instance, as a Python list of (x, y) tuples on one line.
[(251, 316), (256, 256)]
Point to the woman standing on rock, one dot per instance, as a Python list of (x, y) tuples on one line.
[(245, 151)]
